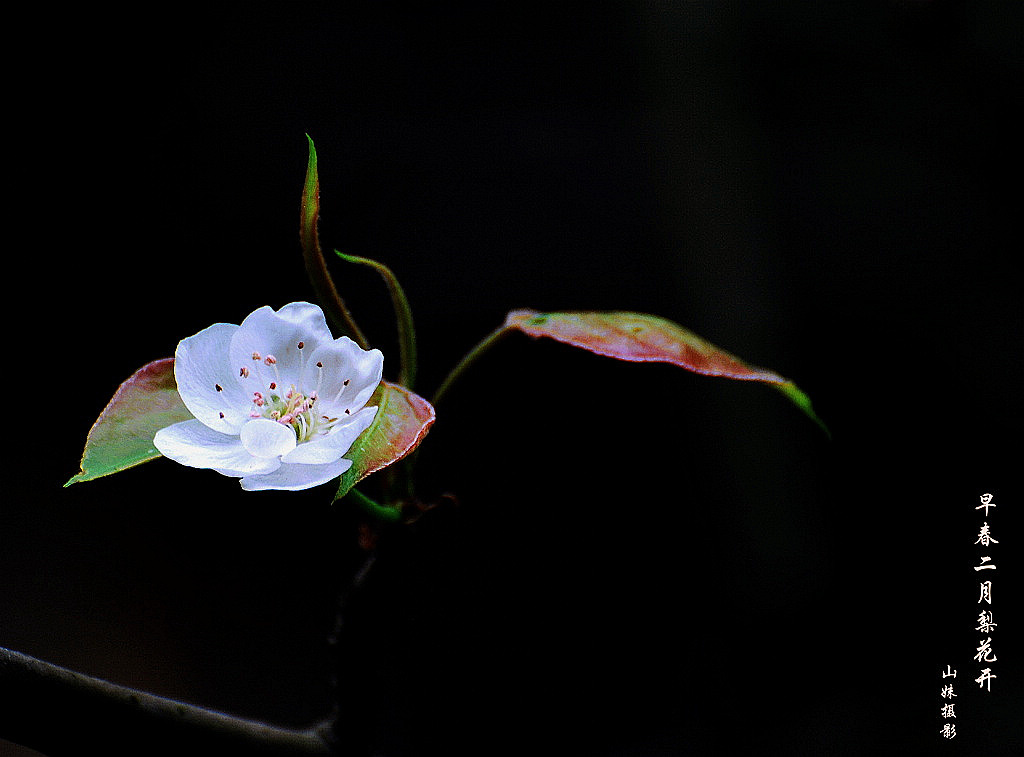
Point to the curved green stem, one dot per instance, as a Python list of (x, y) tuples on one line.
[(471, 357), (403, 317)]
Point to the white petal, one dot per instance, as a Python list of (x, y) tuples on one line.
[(198, 446), (326, 449), (206, 381), (265, 332), (265, 438), (296, 477), (311, 320), (343, 360)]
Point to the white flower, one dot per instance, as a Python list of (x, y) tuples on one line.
[(277, 400)]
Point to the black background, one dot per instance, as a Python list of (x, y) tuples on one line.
[(642, 561)]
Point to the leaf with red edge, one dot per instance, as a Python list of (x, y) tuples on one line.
[(642, 338), (403, 419), (122, 436)]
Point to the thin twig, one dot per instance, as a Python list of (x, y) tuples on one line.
[(61, 712), (468, 359)]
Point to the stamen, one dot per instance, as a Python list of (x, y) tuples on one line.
[(258, 360), (319, 379), (341, 391), (272, 362)]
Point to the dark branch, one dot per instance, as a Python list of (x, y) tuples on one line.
[(353, 714), (60, 712)]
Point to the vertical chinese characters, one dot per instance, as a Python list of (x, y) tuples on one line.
[(986, 622)]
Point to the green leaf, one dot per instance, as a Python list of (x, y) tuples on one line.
[(309, 210), (400, 425), (123, 434), (642, 338)]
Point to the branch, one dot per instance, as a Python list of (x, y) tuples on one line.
[(60, 712), (353, 711)]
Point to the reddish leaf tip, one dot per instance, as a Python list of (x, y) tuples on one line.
[(642, 338), (122, 436), (403, 420)]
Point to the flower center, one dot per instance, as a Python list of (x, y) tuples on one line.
[(293, 407)]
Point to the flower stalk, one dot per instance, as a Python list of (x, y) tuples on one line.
[(386, 513)]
